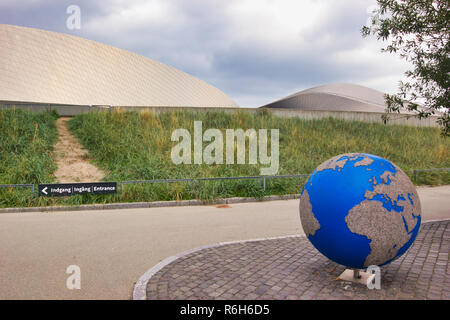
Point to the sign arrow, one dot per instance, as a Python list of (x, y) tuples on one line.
[(45, 190)]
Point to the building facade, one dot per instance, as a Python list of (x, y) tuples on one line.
[(334, 97), (38, 66)]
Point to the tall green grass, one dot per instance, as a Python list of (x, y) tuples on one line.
[(25, 152), (137, 146)]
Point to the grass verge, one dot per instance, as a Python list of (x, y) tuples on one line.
[(137, 146), (26, 146)]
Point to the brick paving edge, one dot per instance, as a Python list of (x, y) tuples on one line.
[(140, 287)]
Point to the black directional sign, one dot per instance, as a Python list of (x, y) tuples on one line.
[(70, 189)]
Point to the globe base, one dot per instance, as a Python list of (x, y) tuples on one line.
[(356, 276)]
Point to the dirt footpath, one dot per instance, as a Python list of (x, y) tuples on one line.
[(71, 160)]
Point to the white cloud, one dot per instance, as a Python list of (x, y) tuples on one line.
[(124, 16), (385, 69), (274, 23), (256, 51)]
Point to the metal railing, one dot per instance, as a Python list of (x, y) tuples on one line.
[(195, 181), (155, 181), (19, 186), (417, 171)]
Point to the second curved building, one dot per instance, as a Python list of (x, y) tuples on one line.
[(334, 97)]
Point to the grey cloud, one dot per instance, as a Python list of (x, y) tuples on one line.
[(201, 43)]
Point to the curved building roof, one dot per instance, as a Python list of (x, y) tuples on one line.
[(49, 67), (334, 97)]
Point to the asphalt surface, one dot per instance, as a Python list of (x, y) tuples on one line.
[(113, 248)]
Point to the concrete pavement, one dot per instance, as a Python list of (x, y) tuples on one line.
[(114, 248)]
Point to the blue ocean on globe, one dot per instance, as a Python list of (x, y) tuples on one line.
[(334, 192)]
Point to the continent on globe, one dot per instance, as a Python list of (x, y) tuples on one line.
[(360, 210), (310, 225)]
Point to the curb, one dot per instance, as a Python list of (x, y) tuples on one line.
[(154, 204), (140, 288)]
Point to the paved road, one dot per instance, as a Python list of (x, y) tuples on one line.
[(114, 248)]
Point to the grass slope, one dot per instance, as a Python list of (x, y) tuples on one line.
[(137, 146), (25, 153)]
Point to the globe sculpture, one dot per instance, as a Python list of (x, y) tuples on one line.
[(360, 210)]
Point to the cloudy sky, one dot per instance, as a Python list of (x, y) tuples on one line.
[(256, 51)]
